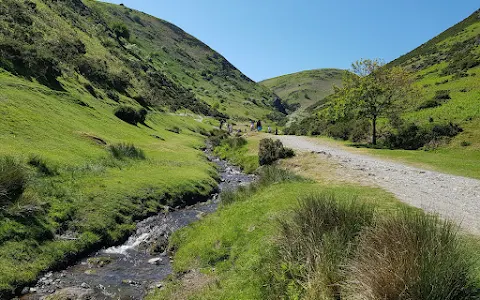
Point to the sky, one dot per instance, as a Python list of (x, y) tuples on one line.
[(269, 38)]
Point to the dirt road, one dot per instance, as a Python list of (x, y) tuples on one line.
[(453, 197)]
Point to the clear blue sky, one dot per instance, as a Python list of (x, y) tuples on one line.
[(268, 38)]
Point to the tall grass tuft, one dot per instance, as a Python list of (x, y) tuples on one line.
[(121, 151), (315, 242), (13, 180), (411, 256)]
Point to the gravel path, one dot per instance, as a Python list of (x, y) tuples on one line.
[(453, 197)]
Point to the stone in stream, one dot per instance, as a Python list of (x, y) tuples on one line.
[(155, 261), (72, 293)]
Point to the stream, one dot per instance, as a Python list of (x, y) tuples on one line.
[(129, 270)]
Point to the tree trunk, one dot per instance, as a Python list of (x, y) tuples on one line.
[(374, 130)]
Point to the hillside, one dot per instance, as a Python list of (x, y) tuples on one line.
[(445, 71), (112, 51), (104, 111), (303, 89)]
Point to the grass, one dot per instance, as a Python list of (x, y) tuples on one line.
[(121, 151), (242, 154), (411, 256), (314, 243)]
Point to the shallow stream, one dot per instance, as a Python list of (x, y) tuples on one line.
[(128, 271)]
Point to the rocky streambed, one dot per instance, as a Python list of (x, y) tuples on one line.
[(128, 271)]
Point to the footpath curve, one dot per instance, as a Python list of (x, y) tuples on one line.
[(453, 197)]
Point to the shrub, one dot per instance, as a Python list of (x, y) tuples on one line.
[(130, 115), (121, 151), (270, 151), (121, 31), (13, 180), (315, 242), (411, 256), (442, 95), (41, 166), (465, 143)]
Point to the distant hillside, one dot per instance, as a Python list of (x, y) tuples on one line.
[(109, 51), (305, 88)]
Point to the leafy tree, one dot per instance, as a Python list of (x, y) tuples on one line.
[(371, 91)]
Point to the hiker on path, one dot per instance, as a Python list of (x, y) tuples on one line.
[(269, 129), (252, 126), (259, 125)]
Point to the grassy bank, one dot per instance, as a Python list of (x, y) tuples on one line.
[(241, 151)]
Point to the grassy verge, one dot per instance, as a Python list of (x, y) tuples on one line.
[(241, 151)]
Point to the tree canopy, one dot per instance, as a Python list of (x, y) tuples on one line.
[(372, 91)]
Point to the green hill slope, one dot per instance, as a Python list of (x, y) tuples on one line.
[(448, 65), (305, 88), (73, 175)]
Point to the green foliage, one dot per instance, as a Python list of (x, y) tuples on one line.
[(121, 31), (130, 115), (13, 180), (411, 256), (270, 151), (371, 92), (121, 151), (412, 137)]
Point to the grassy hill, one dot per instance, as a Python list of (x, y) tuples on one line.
[(104, 111), (303, 89)]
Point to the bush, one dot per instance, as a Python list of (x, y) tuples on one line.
[(413, 137), (121, 151), (41, 166), (270, 151), (121, 31), (13, 180), (130, 115), (411, 256), (315, 242)]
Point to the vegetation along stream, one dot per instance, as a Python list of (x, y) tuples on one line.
[(127, 271)]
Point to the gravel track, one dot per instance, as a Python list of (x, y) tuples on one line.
[(453, 197)]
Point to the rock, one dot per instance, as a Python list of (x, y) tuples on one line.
[(33, 290), (84, 285), (160, 244), (25, 290), (155, 261), (72, 293)]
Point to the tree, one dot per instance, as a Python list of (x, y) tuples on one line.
[(372, 91)]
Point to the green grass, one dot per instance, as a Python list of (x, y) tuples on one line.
[(244, 156)]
